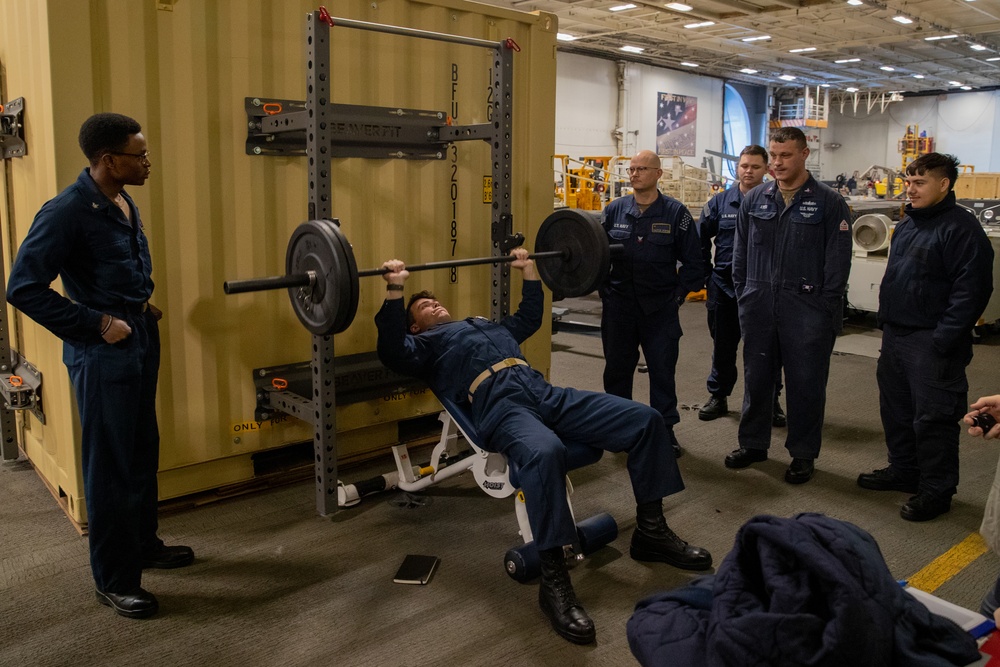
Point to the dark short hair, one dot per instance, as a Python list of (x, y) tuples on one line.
[(785, 134), (105, 133), (754, 149), (942, 165), (425, 294)]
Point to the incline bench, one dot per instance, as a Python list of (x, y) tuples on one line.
[(495, 476)]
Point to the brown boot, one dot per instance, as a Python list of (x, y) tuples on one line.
[(558, 600)]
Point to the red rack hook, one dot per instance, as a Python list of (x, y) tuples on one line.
[(511, 44), (324, 16), (272, 108)]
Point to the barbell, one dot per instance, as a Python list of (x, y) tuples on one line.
[(322, 275)]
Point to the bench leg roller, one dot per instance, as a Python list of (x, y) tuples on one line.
[(522, 563), (596, 532)]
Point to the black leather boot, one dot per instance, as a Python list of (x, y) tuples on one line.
[(653, 541), (558, 600), (716, 407)]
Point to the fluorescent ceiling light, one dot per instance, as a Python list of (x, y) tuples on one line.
[(678, 6), (852, 90), (824, 85), (887, 68), (564, 37), (902, 19), (703, 24), (756, 39), (802, 50), (855, 2), (937, 37), (847, 60), (966, 87), (955, 83), (977, 47), (787, 77), (994, 59), (687, 64), (918, 76), (633, 49), (747, 70), (621, 8)]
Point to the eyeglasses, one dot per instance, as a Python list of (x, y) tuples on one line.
[(143, 157), (638, 170)]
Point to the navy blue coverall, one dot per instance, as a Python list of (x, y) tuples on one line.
[(936, 285), (790, 268), (520, 415), (718, 222), (104, 262), (643, 292)]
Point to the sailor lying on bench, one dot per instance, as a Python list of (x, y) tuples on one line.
[(520, 415)]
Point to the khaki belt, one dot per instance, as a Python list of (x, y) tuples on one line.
[(493, 370)]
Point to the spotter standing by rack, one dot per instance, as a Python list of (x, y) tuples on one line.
[(523, 417), (91, 235)]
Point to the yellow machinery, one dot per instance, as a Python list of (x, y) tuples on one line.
[(882, 186), (878, 178), (583, 187), (913, 145)]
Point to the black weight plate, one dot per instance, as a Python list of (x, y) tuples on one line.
[(349, 289), (579, 234), (316, 246)]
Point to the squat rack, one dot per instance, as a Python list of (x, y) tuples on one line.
[(414, 134)]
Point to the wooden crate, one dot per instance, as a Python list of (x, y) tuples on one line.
[(965, 186), (985, 186)]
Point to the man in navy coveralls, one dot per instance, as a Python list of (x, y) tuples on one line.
[(718, 223), (91, 236), (645, 288), (520, 415), (936, 285), (790, 266)]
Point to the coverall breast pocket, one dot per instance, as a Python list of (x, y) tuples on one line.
[(114, 260), (807, 231), (760, 222), (661, 247)]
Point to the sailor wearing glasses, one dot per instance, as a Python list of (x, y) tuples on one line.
[(648, 281)]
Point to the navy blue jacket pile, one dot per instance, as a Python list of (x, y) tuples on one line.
[(809, 590)]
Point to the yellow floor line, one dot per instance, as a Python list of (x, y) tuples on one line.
[(948, 564)]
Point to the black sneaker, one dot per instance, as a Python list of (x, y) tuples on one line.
[(715, 408), (887, 479)]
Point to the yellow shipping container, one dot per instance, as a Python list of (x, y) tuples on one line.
[(212, 212)]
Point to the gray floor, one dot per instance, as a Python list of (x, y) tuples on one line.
[(274, 584)]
